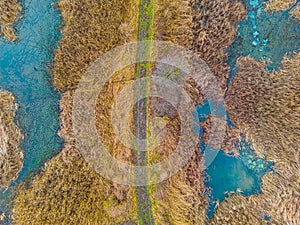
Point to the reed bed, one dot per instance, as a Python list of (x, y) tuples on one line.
[(279, 4), (214, 26), (214, 29), (207, 31), (68, 191), (296, 12), (284, 5), (11, 156), (206, 27), (279, 201), (104, 109), (173, 22), (266, 106), (91, 28), (2, 216), (179, 199), (221, 139), (10, 12)]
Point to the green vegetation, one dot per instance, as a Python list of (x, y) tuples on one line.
[(141, 114)]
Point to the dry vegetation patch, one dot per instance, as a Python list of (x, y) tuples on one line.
[(11, 156), (10, 12)]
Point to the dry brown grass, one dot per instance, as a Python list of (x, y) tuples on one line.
[(213, 25), (279, 200), (296, 12), (10, 12), (206, 27), (173, 22), (64, 193), (91, 28), (180, 199), (214, 138), (267, 106), (104, 110), (177, 200), (284, 5), (68, 191), (279, 4), (11, 156)]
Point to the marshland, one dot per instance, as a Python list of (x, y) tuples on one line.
[(260, 86)]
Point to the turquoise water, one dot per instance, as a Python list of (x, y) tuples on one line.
[(226, 175), (265, 35), (202, 111), (229, 174), (24, 67)]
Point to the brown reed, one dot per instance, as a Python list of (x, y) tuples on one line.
[(11, 156), (10, 12)]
